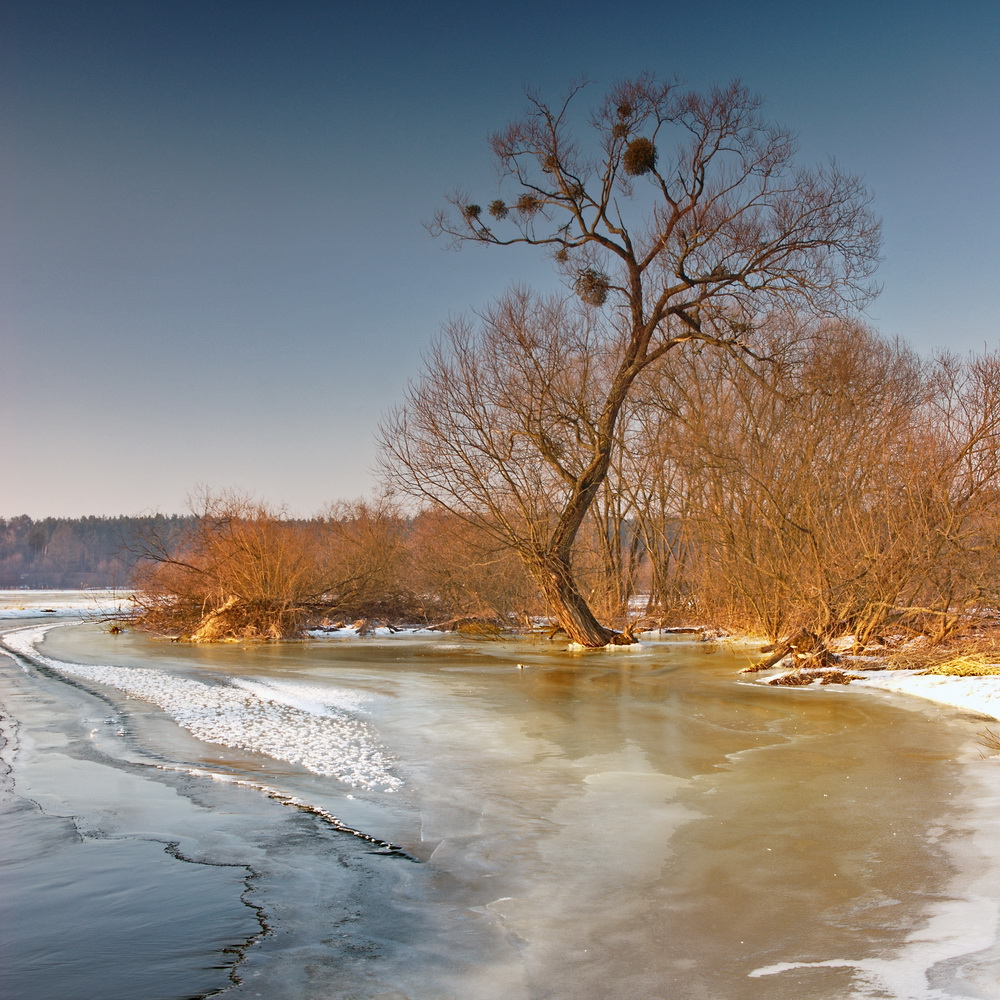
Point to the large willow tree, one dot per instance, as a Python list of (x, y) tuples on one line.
[(680, 217)]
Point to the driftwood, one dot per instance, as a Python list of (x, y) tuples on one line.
[(551, 631), (806, 649), (365, 626), (455, 624), (800, 678), (626, 637), (215, 624)]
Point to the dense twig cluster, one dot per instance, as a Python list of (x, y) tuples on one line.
[(840, 483), (242, 570)]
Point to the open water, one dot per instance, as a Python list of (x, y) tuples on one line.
[(438, 818)]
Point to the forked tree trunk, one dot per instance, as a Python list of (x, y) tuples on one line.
[(569, 607)]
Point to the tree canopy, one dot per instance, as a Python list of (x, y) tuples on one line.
[(682, 219)]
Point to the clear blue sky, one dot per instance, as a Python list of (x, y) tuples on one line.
[(215, 270)]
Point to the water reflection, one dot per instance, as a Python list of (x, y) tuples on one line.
[(617, 824)]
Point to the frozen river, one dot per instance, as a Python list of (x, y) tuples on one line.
[(438, 818)]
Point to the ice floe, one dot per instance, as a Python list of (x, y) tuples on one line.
[(312, 727)]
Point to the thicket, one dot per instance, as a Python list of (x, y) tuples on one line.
[(242, 570), (848, 486)]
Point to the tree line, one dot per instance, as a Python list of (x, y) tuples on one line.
[(849, 487), (71, 553), (700, 427)]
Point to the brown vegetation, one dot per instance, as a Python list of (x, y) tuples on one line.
[(700, 430), (850, 490), (846, 487), (727, 229), (242, 570), (239, 571)]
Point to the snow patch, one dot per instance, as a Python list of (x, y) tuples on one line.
[(974, 694), (300, 725)]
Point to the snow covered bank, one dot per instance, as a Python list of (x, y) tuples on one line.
[(974, 694), (978, 694)]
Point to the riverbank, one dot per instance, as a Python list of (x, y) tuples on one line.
[(974, 688), (979, 695)]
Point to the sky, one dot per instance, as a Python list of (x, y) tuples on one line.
[(215, 269)]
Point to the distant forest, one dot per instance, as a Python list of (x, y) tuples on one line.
[(61, 552)]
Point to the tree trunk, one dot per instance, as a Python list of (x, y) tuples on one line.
[(569, 608)]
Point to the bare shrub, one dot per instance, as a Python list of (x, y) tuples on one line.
[(241, 571), (245, 571), (783, 477), (460, 569), (365, 552), (849, 488)]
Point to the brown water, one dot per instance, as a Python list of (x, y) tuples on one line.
[(616, 824)]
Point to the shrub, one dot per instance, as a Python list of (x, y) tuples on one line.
[(245, 571)]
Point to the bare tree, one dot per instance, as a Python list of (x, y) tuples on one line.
[(504, 423), (724, 226), (950, 497)]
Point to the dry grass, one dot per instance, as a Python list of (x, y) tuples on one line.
[(970, 665), (990, 740), (961, 656)]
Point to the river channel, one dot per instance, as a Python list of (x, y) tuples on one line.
[(441, 818)]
